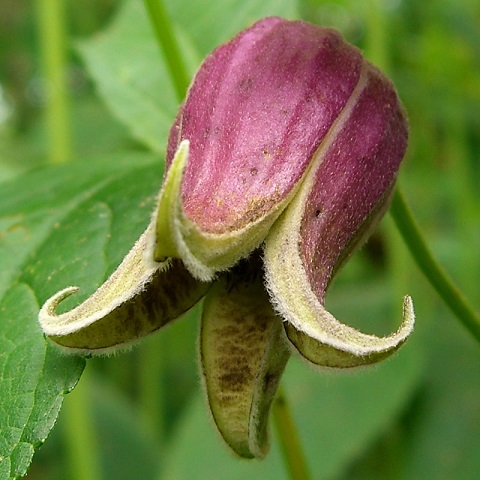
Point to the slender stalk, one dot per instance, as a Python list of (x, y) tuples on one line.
[(377, 41), (52, 36), (466, 205), (289, 439), (167, 41), (431, 269), (151, 392), (80, 438)]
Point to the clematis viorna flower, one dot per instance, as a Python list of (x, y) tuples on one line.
[(281, 160)]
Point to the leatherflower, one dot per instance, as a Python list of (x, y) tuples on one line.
[(280, 162)]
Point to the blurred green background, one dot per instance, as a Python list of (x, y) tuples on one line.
[(416, 416)]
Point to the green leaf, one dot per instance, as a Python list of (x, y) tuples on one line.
[(337, 418), (33, 379), (58, 226), (129, 70)]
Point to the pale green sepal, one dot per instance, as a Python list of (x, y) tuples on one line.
[(137, 299), (168, 207), (294, 299), (325, 355), (243, 354), (172, 226)]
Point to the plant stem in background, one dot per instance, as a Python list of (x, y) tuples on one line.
[(428, 265), (377, 41), (289, 439), (377, 47), (466, 206), (52, 35), (151, 394), (150, 383), (82, 449), (168, 43)]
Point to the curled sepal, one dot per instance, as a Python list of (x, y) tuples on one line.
[(137, 299), (316, 333), (364, 349), (243, 354)]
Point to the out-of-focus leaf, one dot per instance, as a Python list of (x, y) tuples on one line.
[(339, 417), (217, 22), (58, 227), (129, 71), (445, 432), (126, 449)]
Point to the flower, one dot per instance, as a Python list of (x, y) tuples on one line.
[(281, 160)]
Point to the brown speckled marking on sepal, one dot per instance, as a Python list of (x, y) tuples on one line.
[(243, 355)]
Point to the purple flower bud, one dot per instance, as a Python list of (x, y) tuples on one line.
[(259, 112), (288, 140)]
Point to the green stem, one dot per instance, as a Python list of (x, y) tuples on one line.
[(431, 269), (80, 438), (150, 382), (167, 41), (466, 205), (52, 36), (377, 41), (289, 439)]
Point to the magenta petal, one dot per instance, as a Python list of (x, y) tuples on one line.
[(256, 112)]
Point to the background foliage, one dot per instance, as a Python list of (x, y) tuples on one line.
[(141, 414)]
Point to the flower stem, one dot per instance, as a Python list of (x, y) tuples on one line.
[(51, 31), (167, 41), (150, 385), (79, 430), (431, 269), (289, 439)]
